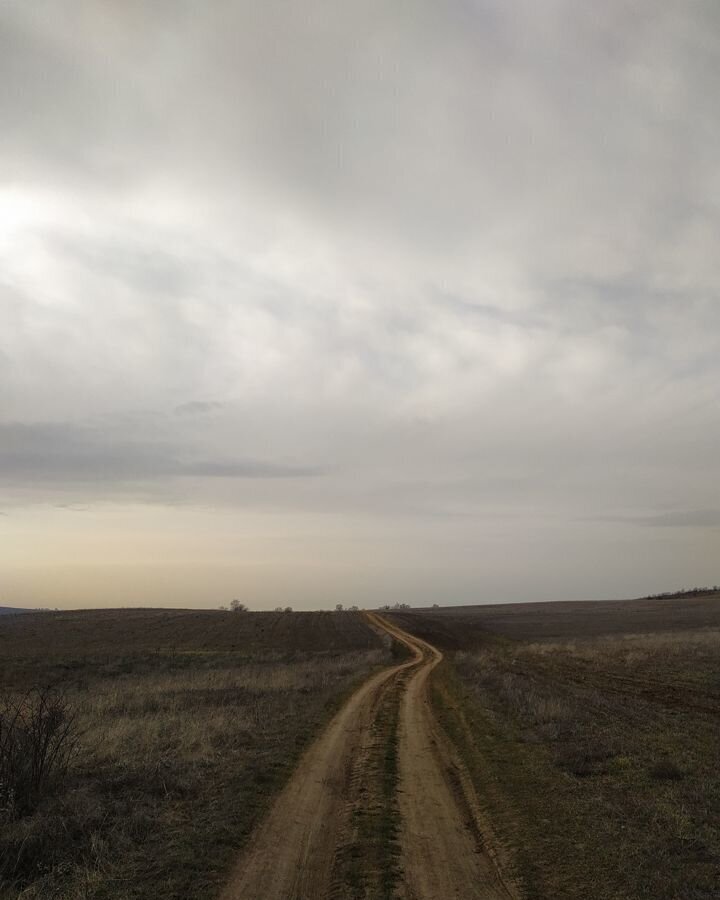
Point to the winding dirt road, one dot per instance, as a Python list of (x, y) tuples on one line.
[(314, 845)]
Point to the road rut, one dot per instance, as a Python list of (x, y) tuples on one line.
[(442, 853)]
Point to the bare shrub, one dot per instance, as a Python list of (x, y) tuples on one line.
[(38, 737)]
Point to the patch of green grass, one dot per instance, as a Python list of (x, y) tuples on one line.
[(366, 866), (388, 827)]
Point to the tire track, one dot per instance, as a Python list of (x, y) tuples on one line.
[(298, 852), (444, 854)]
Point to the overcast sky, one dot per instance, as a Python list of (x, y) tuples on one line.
[(312, 302)]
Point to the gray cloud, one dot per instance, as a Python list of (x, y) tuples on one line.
[(246, 469), (197, 407), (458, 259), (72, 455), (695, 518)]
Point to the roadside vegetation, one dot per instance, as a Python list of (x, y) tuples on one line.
[(596, 757), (367, 864), (178, 728)]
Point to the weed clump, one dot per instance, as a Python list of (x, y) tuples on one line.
[(38, 738)]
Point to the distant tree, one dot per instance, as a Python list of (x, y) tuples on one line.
[(288, 609), (338, 607), (353, 609), (436, 606), (237, 606), (278, 609), (224, 608)]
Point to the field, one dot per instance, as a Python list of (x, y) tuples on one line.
[(591, 734), (569, 750), (188, 724), (463, 627)]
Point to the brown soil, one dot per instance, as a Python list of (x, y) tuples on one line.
[(467, 627), (443, 847)]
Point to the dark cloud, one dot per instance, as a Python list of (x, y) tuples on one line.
[(72, 455), (197, 407), (694, 518), (246, 469)]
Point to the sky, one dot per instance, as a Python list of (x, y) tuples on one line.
[(309, 302)]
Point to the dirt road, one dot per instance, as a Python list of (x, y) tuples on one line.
[(378, 807)]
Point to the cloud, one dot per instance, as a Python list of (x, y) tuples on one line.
[(246, 469), (197, 407), (73, 455), (441, 263), (694, 518)]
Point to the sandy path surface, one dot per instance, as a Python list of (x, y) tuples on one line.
[(443, 854), (292, 852)]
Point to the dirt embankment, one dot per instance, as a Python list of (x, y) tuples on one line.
[(302, 848)]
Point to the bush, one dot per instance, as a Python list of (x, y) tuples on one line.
[(38, 737)]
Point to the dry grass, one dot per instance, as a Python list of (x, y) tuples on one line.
[(598, 759), (591, 732), (180, 749)]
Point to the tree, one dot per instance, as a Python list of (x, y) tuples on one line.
[(237, 606), (338, 607), (288, 609)]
